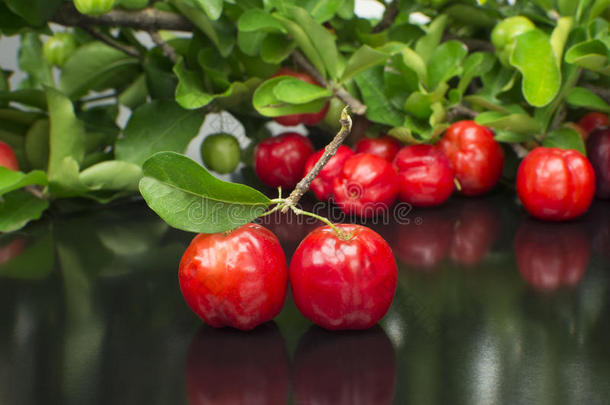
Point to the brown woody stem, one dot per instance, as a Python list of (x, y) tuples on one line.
[(165, 47), (329, 151), (94, 32)]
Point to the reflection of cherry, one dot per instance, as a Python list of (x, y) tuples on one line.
[(599, 226), (475, 230), (344, 368), (230, 367), (551, 255), (423, 245), (11, 250)]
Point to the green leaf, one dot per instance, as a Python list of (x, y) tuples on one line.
[(36, 12), (32, 62), (415, 62), (30, 97), (157, 126), (322, 10), (559, 37), (519, 123), (96, 66), (533, 56), (213, 8), (266, 102), (250, 42), (37, 144), (565, 138), (18, 208), (11, 180), (476, 64), (419, 104), (294, 91), (188, 197), (136, 94), (364, 58), (66, 137), (379, 109), (512, 137), (427, 44), (112, 175), (581, 97), (255, 20), (592, 54), (276, 48), (445, 62)]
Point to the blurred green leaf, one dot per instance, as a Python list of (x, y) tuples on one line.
[(255, 19), (36, 12), (188, 197), (11, 180), (519, 123), (29, 97), (445, 62), (34, 263), (37, 144), (294, 91), (266, 102), (213, 8), (112, 175), (276, 48), (379, 109), (434, 32), (581, 97), (157, 126), (364, 58), (592, 54), (32, 62), (533, 56), (559, 37), (136, 94), (565, 138)]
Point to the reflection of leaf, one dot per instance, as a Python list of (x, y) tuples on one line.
[(35, 262), (188, 197), (18, 208)]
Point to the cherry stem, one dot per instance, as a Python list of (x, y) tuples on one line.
[(329, 151), (334, 227)]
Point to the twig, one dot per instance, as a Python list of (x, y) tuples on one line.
[(99, 98), (520, 150), (148, 19), (604, 93), (329, 152), (460, 110), (354, 104), (129, 50), (167, 49), (388, 18)]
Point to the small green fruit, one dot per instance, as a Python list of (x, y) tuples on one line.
[(504, 34), (221, 153), (59, 48), (94, 7)]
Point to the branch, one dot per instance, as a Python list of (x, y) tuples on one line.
[(460, 110), (148, 19), (129, 50), (353, 103), (388, 18), (329, 152), (472, 44), (165, 47)]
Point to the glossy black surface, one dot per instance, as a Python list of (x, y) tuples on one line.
[(492, 308)]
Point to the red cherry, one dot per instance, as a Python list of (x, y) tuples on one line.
[(306, 118), (366, 186), (385, 147), (555, 184), (237, 279), (225, 366), (280, 160), (344, 369), (322, 185), (551, 255), (426, 176), (7, 157), (340, 283), (593, 120), (475, 155), (476, 228), (598, 151)]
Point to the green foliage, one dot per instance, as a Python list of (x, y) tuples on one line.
[(518, 68)]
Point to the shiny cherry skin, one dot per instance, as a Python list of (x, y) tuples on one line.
[(279, 161), (598, 152), (7, 157), (476, 157), (426, 176), (306, 118), (225, 366), (322, 185), (366, 186), (344, 368), (343, 282), (550, 256), (593, 120), (237, 279), (385, 147), (555, 184)]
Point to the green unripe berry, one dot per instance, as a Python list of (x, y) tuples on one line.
[(221, 153), (133, 4), (94, 7), (59, 48), (504, 34)]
